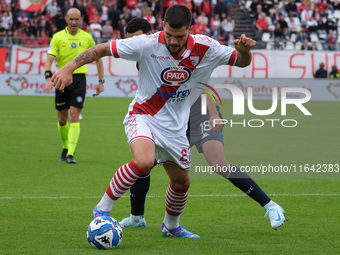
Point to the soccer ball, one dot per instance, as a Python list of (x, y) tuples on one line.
[(104, 233)]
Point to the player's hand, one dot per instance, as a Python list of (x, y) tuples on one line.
[(244, 44), (48, 86), (100, 88), (215, 126), (62, 78)]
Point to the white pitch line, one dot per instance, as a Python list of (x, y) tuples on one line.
[(158, 196)]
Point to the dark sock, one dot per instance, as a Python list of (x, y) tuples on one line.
[(138, 193), (244, 182)]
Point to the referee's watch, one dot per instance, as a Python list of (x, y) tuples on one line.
[(103, 81)]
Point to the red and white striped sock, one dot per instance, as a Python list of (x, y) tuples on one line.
[(123, 179), (175, 201)]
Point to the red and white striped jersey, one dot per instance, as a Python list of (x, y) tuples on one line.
[(165, 81)]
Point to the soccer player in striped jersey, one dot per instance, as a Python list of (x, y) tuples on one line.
[(209, 141), (171, 64)]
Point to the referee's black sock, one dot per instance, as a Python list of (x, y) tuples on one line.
[(244, 182), (138, 193)]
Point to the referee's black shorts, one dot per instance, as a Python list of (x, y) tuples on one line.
[(73, 95)]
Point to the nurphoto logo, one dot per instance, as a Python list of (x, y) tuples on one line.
[(238, 105)]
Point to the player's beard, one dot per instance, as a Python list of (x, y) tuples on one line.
[(178, 49)]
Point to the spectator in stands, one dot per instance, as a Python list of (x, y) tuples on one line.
[(59, 20), (52, 7), (3, 35), (312, 25), (96, 29), (10, 30), (220, 8), (336, 5), (283, 22), (303, 34), (261, 25), (286, 34), (276, 14), (205, 6), (302, 6), (231, 38), (330, 24), (104, 12), (114, 16), (282, 7), (44, 40), (293, 26), (278, 32), (228, 25), (203, 20), (330, 41), (306, 14), (199, 28), (149, 17), (66, 7), (31, 42), (216, 28), (306, 45), (316, 14), (22, 19), (107, 31), (278, 45), (315, 46), (6, 19), (43, 24), (321, 72), (322, 6), (266, 7), (84, 15), (334, 74), (252, 10), (291, 8), (121, 28)]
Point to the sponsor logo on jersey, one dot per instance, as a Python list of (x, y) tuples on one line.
[(174, 96), (73, 45), (160, 57), (175, 75)]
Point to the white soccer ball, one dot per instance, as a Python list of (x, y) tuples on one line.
[(104, 233)]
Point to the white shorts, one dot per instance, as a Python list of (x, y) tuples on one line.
[(175, 150)]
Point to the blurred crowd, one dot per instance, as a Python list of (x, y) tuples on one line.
[(313, 24), (107, 19)]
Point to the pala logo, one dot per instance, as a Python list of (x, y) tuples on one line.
[(16, 83), (334, 89), (127, 86), (175, 75)]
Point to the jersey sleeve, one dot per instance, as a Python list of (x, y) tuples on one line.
[(222, 54), (129, 49), (53, 48), (91, 41)]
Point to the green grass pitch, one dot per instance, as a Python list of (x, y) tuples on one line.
[(46, 205)]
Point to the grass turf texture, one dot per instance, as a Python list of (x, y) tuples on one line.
[(46, 204)]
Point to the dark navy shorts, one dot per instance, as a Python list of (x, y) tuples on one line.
[(198, 127), (73, 95)]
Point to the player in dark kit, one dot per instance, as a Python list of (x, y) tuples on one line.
[(208, 141)]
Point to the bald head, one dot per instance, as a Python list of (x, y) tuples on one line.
[(73, 19)]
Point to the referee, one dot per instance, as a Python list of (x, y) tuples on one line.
[(65, 46)]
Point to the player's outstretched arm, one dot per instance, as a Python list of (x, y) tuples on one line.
[(63, 77), (243, 47)]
